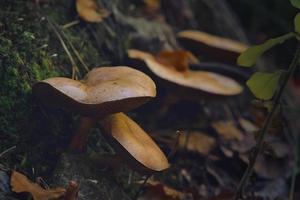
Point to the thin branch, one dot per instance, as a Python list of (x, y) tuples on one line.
[(293, 139), (295, 171), (259, 146)]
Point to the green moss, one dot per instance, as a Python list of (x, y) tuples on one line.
[(17, 77), (22, 63), (27, 46)]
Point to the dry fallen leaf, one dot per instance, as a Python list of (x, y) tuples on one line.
[(248, 126), (269, 167), (197, 142), (90, 11), (260, 116), (227, 130), (244, 145), (179, 60), (20, 183), (157, 191)]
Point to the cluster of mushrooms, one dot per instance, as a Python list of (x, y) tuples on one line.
[(102, 97), (107, 92), (204, 82)]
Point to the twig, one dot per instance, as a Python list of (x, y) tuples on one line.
[(70, 24), (259, 146), (75, 51), (295, 172), (74, 70), (293, 139), (7, 150), (295, 166)]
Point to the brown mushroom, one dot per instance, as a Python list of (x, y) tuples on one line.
[(89, 11), (204, 81), (178, 60), (104, 91), (214, 47), (134, 145)]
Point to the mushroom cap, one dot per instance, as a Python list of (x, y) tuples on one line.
[(105, 90), (136, 146), (208, 82), (216, 47), (89, 11)]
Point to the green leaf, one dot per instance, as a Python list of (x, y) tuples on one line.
[(297, 23), (248, 58), (263, 84), (295, 3)]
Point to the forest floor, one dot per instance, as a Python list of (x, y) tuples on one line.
[(207, 138)]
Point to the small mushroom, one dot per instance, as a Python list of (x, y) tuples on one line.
[(133, 145), (104, 91), (214, 47), (89, 11), (209, 83)]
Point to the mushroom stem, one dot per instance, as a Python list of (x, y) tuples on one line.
[(72, 191), (81, 135), (106, 161)]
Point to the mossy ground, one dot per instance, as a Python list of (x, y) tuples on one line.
[(23, 61), (31, 51)]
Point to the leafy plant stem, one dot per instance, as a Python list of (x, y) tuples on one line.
[(295, 168), (259, 146)]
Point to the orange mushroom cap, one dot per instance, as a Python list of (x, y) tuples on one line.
[(212, 40), (89, 11), (215, 47), (131, 141), (105, 90), (208, 82)]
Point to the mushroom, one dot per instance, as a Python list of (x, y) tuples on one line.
[(208, 83), (89, 11), (104, 91), (214, 47), (133, 145)]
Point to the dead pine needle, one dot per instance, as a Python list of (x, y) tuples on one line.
[(70, 24), (80, 59), (7, 151), (74, 65)]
